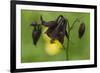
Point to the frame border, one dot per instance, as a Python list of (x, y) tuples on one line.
[(13, 35)]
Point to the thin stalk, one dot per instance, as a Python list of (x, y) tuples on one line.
[(77, 20), (67, 49), (69, 29)]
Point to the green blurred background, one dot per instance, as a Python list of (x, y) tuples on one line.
[(79, 49)]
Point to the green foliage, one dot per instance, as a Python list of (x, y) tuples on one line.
[(79, 49)]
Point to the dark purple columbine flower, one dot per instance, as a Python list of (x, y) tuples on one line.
[(81, 30), (36, 32), (36, 36)]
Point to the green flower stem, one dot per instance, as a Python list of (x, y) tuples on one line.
[(69, 29)]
